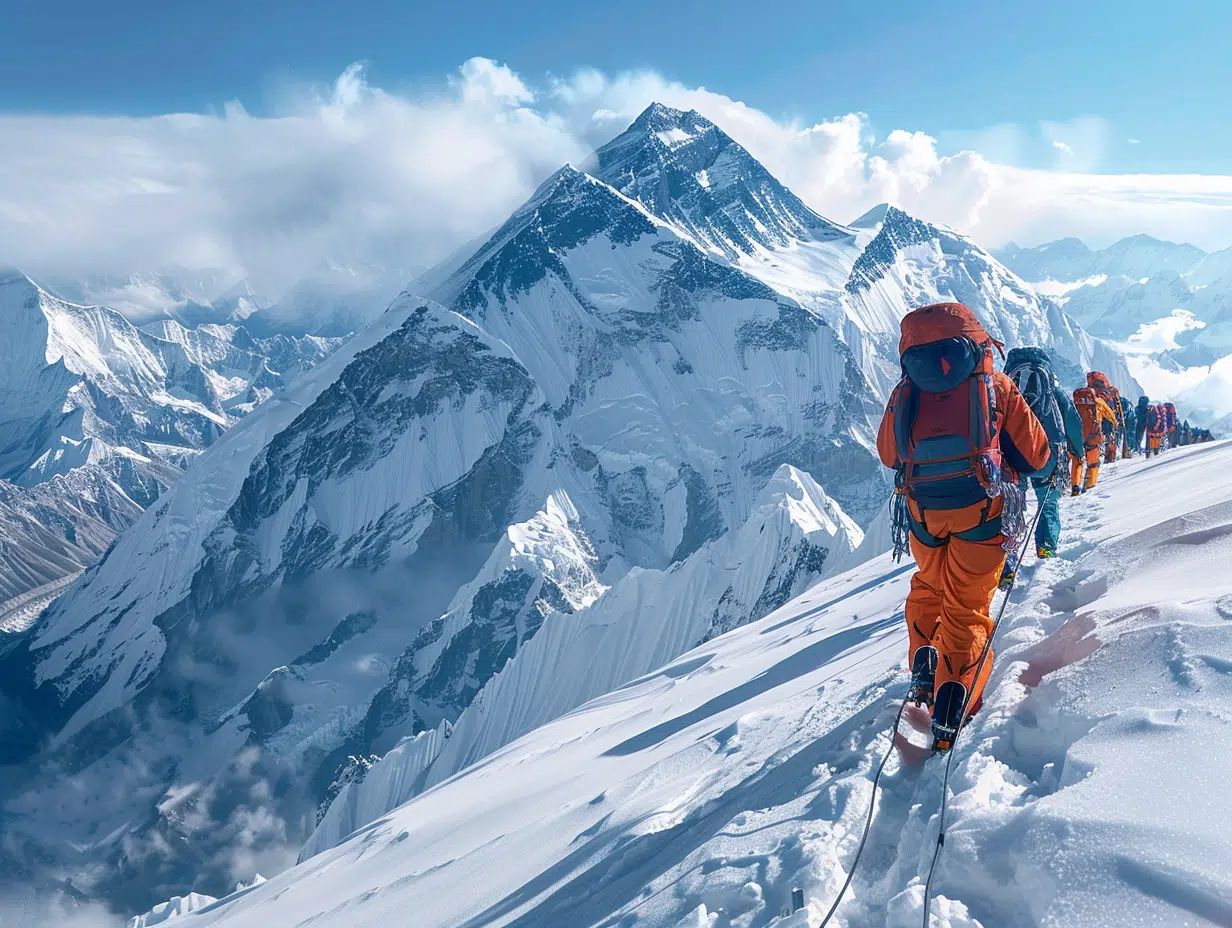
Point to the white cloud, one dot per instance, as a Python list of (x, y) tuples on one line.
[(1204, 393), (1080, 143), (1160, 335), (356, 172), (352, 173), (1134, 141)]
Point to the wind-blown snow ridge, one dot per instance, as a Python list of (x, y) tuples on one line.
[(1087, 792), (646, 619)]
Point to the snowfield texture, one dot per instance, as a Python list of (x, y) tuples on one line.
[(639, 415), (1089, 790)]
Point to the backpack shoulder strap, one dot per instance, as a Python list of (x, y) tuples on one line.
[(906, 401)]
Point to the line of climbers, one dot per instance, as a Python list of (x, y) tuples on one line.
[(966, 442)]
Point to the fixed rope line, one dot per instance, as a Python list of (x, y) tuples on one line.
[(868, 821), (949, 763)]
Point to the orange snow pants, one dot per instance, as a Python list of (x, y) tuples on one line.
[(951, 595), (1110, 449), (1075, 468)]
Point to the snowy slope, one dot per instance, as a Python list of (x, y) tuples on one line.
[(52, 531), (647, 618), (1088, 792)]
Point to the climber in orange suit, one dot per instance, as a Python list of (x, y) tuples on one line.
[(950, 415), (1097, 417)]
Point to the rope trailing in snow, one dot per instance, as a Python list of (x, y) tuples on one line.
[(898, 509), (868, 822), (949, 763)]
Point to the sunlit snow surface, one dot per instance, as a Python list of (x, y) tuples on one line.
[(1090, 791)]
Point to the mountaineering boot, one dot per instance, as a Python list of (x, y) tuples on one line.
[(1044, 551), (1076, 491), (923, 675), (947, 714), (1008, 572)]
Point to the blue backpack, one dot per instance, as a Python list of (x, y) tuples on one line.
[(1031, 371)]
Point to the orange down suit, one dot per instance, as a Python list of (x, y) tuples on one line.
[(952, 590), (1093, 412), (1111, 396)]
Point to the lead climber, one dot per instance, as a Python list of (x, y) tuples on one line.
[(958, 435)]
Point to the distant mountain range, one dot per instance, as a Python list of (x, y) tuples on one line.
[(639, 414), (1114, 291), (99, 417), (1068, 260), (335, 301)]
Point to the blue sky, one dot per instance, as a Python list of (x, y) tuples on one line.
[(393, 133), (1157, 73)]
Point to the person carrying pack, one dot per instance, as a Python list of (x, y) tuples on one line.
[(1104, 389), (1186, 433), (1169, 425), (1140, 414), (1156, 429), (1032, 372), (958, 435), (1097, 417), (1129, 417)]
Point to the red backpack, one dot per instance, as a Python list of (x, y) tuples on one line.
[(947, 426), (1157, 420), (1088, 412)]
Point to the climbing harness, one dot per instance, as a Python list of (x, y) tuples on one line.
[(949, 762)]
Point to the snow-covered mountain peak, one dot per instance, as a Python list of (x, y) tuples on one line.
[(1065, 246), (911, 263), (82, 387), (796, 492), (690, 173), (712, 788), (566, 211), (899, 232), (873, 218)]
